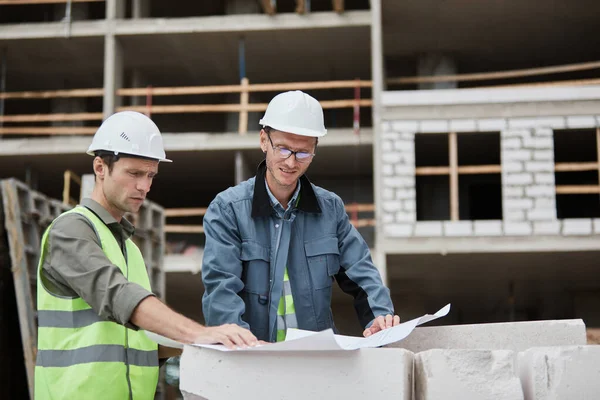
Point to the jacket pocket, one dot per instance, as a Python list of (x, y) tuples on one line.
[(323, 257), (255, 262)]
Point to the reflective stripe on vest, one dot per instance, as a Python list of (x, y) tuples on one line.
[(82, 356)]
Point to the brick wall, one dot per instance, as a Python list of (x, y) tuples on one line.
[(528, 187)]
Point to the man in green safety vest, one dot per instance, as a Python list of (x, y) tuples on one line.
[(93, 291)]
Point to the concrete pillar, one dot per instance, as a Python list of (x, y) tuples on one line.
[(435, 65), (113, 74), (87, 185), (140, 9), (115, 9), (380, 261), (377, 71), (77, 12), (242, 170), (528, 188)]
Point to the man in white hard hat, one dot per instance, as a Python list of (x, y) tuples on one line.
[(93, 290), (275, 243)]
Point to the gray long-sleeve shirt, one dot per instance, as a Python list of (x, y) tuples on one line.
[(75, 265)]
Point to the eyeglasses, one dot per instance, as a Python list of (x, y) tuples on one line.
[(285, 153)]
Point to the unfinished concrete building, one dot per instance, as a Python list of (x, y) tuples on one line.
[(484, 196)]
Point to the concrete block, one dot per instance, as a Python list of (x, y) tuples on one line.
[(546, 227), (428, 228), (569, 372), (406, 216), (540, 190), (409, 205), (388, 194), (458, 228), (402, 194), (407, 136), (520, 123), (387, 169), (391, 157), (434, 126), (512, 143), (515, 336), (513, 215), (386, 126), (517, 228), (390, 136), (408, 158), (466, 375), (399, 126), (399, 182), (587, 121), (462, 125), (545, 202), (517, 179), (513, 191), (539, 143), (211, 374), (541, 214), (518, 204), (400, 169), (488, 228), (387, 146), (522, 133), (404, 145), (388, 218), (543, 155), (516, 155), (577, 226), (543, 178), (512, 166), (391, 206), (597, 225), (491, 124), (398, 230), (539, 166), (550, 122)]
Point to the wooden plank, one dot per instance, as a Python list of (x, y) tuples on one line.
[(185, 212), (328, 104), (184, 229), (570, 167), (275, 87), (51, 94), (426, 171), (575, 82), (338, 6), (244, 100), (66, 187), (453, 152), (57, 130), (361, 223), (52, 117), (267, 7), (181, 90), (518, 73), (479, 169), (578, 189), (21, 2), (360, 207)]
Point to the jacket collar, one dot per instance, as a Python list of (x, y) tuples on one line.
[(261, 205)]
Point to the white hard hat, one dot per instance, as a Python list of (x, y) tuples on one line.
[(129, 132), (295, 112)]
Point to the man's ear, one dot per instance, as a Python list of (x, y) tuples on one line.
[(99, 168), (263, 141)]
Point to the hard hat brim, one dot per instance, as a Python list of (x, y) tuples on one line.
[(293, 129)]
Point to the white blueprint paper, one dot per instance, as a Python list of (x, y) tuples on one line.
[(300, 340)]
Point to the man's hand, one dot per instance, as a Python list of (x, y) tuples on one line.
[(230, 335), (382, 323)]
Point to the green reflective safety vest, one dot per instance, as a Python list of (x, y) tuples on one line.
[(80, 355)]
